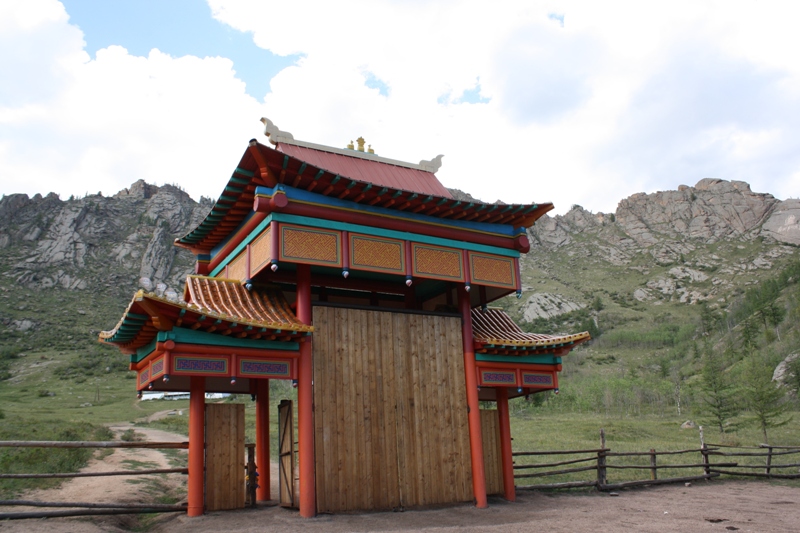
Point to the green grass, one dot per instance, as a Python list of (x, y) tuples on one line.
[(39, 389), (534, 430)]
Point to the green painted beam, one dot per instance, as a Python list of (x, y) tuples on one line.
[(189, 336), (532, 359), (244, 172)]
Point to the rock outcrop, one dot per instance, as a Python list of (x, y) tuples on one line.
[(711, 210), (666, 238), (79, 243), (784, 223)]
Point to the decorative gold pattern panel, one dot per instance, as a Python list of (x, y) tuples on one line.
[(260, 251), (310, 245), (376, 254), (237, 269), (437, 262), (492, 270)]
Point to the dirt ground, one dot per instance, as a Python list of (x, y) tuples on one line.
[(721, 506)]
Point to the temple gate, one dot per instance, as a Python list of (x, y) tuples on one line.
[(362, 280)]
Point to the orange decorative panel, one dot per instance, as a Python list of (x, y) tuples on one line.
[(492, 270), (260, 252), (376, 254), (157, 367), (237, 269), (437, 262), (310, 245)]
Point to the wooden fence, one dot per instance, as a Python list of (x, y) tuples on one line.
[(601, 460), (87, 508)]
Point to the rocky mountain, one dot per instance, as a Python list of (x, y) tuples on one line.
[(695, 244), (84, 256)]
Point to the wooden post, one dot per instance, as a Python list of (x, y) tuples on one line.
[(305, 399), (509, 493), (262, 439), (197, 419), (704, 453), (473, 407), (252, 476), (653, 469), (769, 461), (601, 461)]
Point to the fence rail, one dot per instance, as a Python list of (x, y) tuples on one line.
[(93, 508), (708, 469)]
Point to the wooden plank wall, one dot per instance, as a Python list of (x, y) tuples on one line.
[(492, 461), (390, 410), (225, 456)]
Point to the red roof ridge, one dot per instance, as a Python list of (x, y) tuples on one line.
[(277, 137)]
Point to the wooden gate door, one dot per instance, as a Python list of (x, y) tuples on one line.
[(391, 426), (286, 453), (225, 463)]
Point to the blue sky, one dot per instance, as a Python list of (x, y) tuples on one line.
[(178, 28), (569, 101)]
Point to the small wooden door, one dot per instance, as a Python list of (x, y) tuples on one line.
[(286, 453), (492, 460), (225, 463)]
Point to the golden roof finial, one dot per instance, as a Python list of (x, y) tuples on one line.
[(369, 149), (360, 142), (350, 146)]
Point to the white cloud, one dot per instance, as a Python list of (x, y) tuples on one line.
[(623, 97), (99, 125)]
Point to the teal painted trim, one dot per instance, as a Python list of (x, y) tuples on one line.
[(532, 359), (190, 336), (392, 234), (302, 169), (143, 352), (242, 245), (244, 172), (285, 162)]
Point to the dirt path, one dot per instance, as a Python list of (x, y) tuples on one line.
[(743, 506), (112, 489)]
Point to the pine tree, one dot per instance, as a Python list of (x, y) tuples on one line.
[(719, 394), (749, 334), (766, 401)]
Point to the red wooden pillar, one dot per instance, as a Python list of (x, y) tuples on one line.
[(305, 399), (197, 421), (475, 440), (262, 439), (505, 444)]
